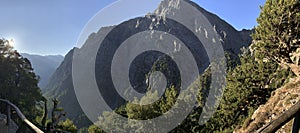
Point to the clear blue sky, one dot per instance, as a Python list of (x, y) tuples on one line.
[(53, 26)]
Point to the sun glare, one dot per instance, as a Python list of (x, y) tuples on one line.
[(11, 42)]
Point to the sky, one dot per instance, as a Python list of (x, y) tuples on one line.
[(53, 27)]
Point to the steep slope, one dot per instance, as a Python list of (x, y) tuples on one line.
[(281, 100), (232, 39), (60, 85), (44, 66)]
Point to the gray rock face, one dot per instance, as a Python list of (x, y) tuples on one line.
[(231, 39), (155, 25)]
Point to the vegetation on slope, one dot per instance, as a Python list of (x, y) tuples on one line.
[(270, 63)]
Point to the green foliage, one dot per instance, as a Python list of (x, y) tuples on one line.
[(134, 111), (191, 123), (248, 86), (67, 125), (108, 120), (145, 112), (18, 81), (54, 123), (278, 32), (157, 108), (83, 130), (276, 42), (95, 129)]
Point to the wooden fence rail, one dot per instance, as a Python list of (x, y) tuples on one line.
[(273, 126), (293, 112), (9, 107)]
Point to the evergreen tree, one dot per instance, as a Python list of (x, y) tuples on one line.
[(95, 129), (277, 36), (248, 86), (67, 125), (276, 44), (56, 124), (18, 82)]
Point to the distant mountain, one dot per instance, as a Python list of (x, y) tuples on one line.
[(61, 86), (44, 66)]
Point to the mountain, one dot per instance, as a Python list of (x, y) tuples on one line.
[(44, 66), (61, 86)]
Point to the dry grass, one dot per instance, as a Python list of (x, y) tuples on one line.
[(282, 99)]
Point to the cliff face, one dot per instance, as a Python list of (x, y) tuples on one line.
[(61, 86)]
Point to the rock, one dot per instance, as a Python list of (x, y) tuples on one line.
[(281, 100), (61, 85)]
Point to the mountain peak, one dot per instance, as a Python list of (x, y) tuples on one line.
[(61, 84)]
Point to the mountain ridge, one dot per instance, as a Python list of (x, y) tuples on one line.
[(61, 85), (44, 66)]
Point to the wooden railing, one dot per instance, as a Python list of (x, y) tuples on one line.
[(273, 126), (8, 112)]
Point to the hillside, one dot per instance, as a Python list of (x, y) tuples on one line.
[(60, 86), (44, 66), (281, 100)]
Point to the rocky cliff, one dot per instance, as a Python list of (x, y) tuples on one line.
[(61, 86)]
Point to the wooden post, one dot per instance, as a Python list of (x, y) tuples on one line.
[(27, 123), (296, 123)]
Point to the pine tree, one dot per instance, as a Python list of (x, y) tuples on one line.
[(248, 86), (67, 125), (277, 36), (18, 82)]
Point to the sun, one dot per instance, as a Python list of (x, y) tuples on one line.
[(11, 42)]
